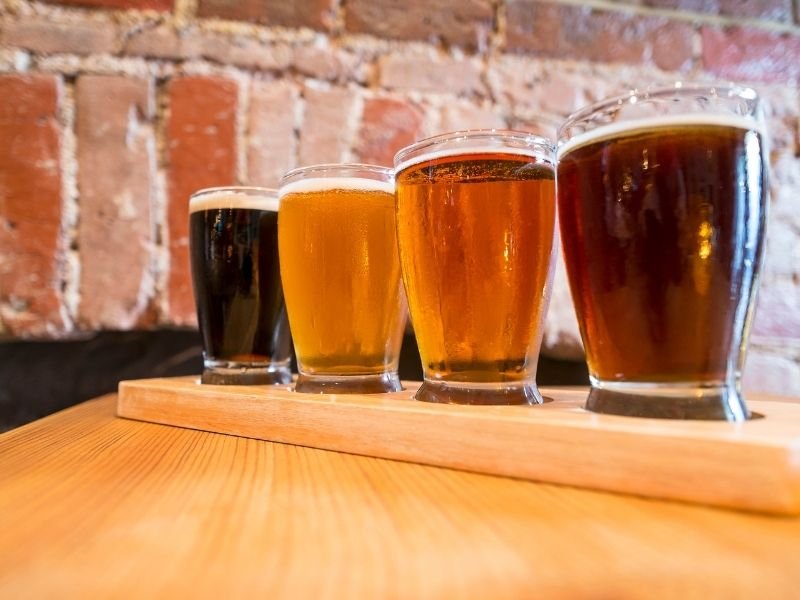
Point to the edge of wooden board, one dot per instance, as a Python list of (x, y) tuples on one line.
[(751, 466)]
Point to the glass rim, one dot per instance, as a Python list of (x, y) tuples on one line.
[(678, 88), (322, 168), (323, 177), (250, 190), (541, 147)]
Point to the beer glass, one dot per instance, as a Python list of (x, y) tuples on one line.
[(476, 231), (240, 310), (341, 276), (662, 205)]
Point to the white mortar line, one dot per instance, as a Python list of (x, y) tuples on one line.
[(299, 106), (158, 211), (147, 294), (69, 243), (353, 120), (242, 127)]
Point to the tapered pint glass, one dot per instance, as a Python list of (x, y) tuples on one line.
[(476, 231), (341, 277), (662, 204)]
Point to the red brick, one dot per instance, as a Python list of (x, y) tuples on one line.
[(115, 153), (156, 42), (30, 205), (386, 126), (751, 54), (271, 143), (315, 14), (670, 43), (466, 23), (46, 36), (165, 42), (159, 5), (584, 33), (776, 10), (237, 10), (329, 64), (240, 51), (201, 151), (432, 74), (326, 125), (457, 117)]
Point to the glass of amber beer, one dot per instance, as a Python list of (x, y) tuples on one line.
[(233, 242), (476, 231), (662, 205), (341, 276)]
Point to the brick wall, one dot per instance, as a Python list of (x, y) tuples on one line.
[(113, 111)]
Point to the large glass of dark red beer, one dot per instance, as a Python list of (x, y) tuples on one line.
[(235, 271), (662, 206)]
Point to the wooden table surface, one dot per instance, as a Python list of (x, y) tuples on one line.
[(92, 505)]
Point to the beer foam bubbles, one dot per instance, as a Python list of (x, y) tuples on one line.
[(464, 153), (228, 199), (328, 184), (625, 128)]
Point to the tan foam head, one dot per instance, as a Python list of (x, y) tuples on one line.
[(216, 199)]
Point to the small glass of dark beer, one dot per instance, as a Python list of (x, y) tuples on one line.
[(476, 230), (662, 205), (233, 239), (341, 276)]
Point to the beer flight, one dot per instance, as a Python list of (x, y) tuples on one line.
[(661, 208)]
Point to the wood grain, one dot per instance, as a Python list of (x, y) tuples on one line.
[(753, 465), (93, 506)]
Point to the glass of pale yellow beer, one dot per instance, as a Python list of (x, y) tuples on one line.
[(476, 220), (341, 277)]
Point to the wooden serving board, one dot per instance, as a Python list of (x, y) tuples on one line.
[(752, 466)]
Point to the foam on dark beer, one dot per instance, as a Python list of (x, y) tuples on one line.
[(231, 200)]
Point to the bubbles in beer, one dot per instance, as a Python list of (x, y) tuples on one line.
[(476, 235)]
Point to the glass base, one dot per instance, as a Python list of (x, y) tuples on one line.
[(668, 401), (235, 373), (442, 392), (347, 384)]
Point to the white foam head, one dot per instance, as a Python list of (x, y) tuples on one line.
[(614, 130), (226, 199), (466, 151), (327, 184)]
